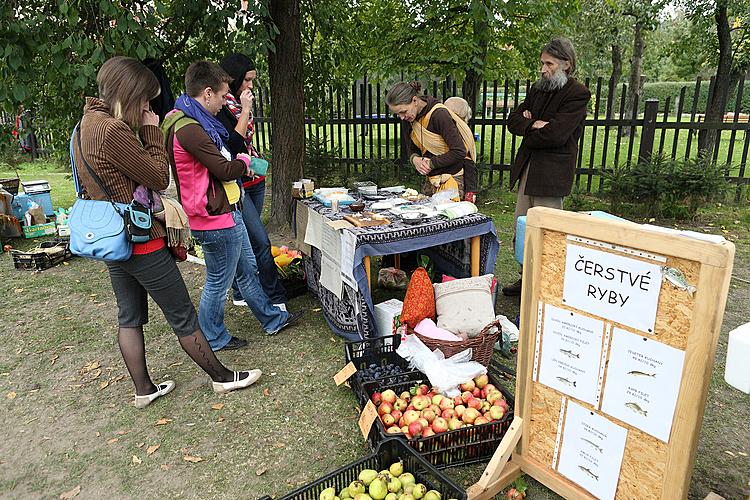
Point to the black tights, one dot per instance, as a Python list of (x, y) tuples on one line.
[(196, 346)]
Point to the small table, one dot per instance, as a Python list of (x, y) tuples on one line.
[(461, 247)]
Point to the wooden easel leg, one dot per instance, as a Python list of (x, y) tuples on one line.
[(499, 472), (475, 255), (397, 261)]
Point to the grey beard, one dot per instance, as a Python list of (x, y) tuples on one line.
[(555, 82)]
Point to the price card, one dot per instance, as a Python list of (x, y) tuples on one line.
[(367, 418), (345, 373)]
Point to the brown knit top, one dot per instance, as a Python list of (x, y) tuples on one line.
[(120, 158)]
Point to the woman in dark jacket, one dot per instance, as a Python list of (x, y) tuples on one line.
[(237, 117), (121, 141)]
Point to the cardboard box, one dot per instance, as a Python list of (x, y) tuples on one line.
[(388, 316), (38, 230), (303, 189)]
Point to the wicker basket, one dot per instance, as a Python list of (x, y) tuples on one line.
[(482, 345)]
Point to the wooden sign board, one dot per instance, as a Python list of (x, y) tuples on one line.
[(610, 400)]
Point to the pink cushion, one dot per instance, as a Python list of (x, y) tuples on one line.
[(428, 328)]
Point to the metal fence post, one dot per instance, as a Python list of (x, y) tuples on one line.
[(649, 129)]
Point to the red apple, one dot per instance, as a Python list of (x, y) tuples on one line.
[(434, 408), (494, 396), (489, 388), (396, 415), (401, 422), (415, 428), (480, 420), (457, 401), (468, 386), (388, 420), (428, 432), (421, 402), (429, 415), (400, 404), (448, 414), (446, 404), (496, 412), (389, 396), (481, 380), (424, 389), (476, 392), (473, 403), (377, 398), (485, 406), (460, 410), (503, 404), (470, 415), (424, 422), (454, 424), (393, 430), (466, 396), (406, 396), (439, 425), (384, 408), (410, 416)]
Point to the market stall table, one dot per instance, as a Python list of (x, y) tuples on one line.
[(460, 247)]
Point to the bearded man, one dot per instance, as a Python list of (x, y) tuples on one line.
[(550, 120)]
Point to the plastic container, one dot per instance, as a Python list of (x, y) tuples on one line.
[(20, 205), (389, 451), (33, 261), (458, 447), (39, 192), (737, 372), (520, 236), (380, 351)]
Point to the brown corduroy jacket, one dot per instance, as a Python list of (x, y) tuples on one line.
[(121, 159)]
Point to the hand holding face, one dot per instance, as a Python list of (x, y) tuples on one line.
[(148, 117), (246, 99)]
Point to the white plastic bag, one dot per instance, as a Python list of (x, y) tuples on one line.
[(508, 327), (444, 374)]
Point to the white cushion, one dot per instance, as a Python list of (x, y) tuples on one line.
[(465, 305)]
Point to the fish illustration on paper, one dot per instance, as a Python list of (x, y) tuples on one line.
[(677, 279), (599, 448), (569, 353), (637, 373), (566, 381), (636, 408), (589, 473)]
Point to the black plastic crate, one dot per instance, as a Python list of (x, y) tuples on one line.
[(380, 351), (448, 449), (389, 451), (40, 261)]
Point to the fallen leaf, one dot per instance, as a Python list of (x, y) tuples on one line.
[(103, 384), (97, 373), (729, 453), (742, 453), (113, 440), (136, 460), (279, 444), (221, 419), (316, 309), (140, 445), (217, 406), (98, 433), (121, 433), (163, 421), (260, 472), (164, 467), (70, 494), (266, 392), (152, 449), (11, 395), (192, 459), (176, 363), (53, 359), (118, 378)]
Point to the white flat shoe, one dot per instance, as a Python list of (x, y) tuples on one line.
[(161, 390), (252, 377)]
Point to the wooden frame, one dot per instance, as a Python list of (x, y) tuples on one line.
[(710, 264)]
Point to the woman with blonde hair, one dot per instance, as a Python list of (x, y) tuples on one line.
[(120, 141)]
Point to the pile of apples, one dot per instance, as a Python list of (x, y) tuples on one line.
[(423, 412)]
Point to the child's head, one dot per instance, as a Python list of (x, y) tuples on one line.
[(460, 107)]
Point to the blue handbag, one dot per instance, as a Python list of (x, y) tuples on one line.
[(97, 227)]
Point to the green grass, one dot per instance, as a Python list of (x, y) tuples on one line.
[(60, 423)]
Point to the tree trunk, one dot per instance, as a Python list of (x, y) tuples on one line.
[(636, 67), (616, 75), (287, 108), (722, 84)]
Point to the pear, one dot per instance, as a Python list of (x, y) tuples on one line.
[(432, 495), (391, 496), (367, 475), (356, 487), (394, 485), (419, 491), (396, 468), (344, 494), (406, 496), (363, 496), (378, 488), (407, 478), (328, 494)]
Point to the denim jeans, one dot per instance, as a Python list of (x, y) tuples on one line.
[(252, 207), (228, 254)]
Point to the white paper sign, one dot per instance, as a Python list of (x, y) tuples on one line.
[(330, 275), (610, 286), (571, 353), (348, 247), (592, 450), (314, 230), (643, 381)]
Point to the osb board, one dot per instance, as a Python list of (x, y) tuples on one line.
[(675, 306), (645, 457)]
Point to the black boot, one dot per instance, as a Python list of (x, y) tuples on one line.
[(513, 290)]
